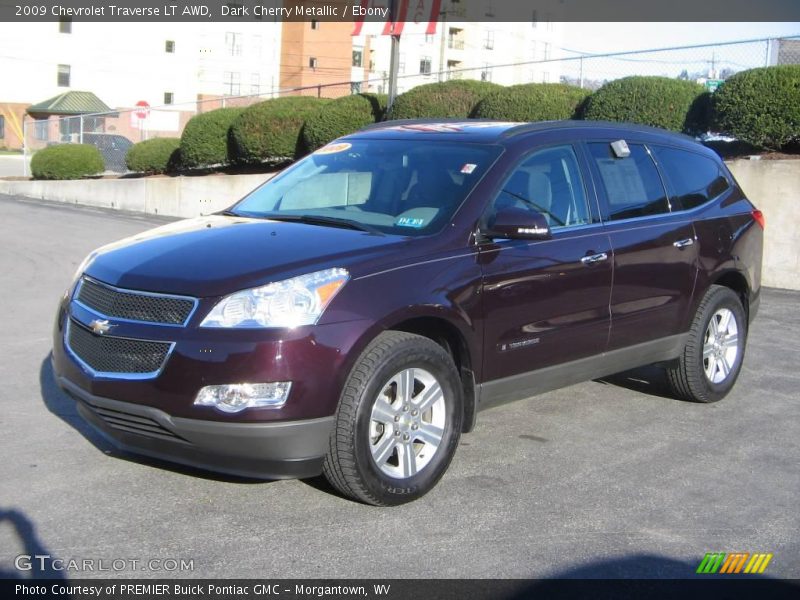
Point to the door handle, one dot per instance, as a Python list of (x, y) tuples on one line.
[(594, 258), (683, 243)]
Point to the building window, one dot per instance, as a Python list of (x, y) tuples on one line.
[(233, 43), (255, 83), (425, 65), (169, 47), (41, 130), (358, 57), (257, 47), (486, 73), (488, 41), (314, 24), (169, 98), (546, 77), (312, 62), (2, 127), (454, 39), (65, 25), (546, 51), (231, 83), (63, 75), (401, 64), (428, 38), (453, 69), (355, 87)]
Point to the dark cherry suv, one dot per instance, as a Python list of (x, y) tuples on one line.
[(353, 314)]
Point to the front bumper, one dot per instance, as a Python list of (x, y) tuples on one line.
[(281, 450)]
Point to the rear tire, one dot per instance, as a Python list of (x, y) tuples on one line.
[(398, 422), (712, 358)]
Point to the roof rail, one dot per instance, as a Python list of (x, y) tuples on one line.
[(570, 124), (426, 121)]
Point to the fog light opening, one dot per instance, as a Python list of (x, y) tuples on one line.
[(235, 397)]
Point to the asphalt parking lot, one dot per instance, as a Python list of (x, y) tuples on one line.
[(602, 479)]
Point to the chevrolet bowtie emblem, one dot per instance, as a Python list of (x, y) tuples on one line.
[(100, 326)]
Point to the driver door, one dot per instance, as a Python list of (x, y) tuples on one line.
[(546, 302)]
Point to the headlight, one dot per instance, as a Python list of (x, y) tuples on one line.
[(289, 303)]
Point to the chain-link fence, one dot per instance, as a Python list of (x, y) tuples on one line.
[(114, 132)]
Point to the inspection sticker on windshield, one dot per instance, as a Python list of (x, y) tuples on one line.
[(416, 223), (334, 148), (468, 168)]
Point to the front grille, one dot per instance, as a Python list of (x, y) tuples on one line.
[(135, 306), (106, 354), (123, 421)]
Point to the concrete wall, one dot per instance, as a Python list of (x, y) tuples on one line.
[(773, 185), (173, 196)]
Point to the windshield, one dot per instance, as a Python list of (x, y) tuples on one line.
[(401, 187)]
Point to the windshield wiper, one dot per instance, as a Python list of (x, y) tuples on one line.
[(538, 208), (323, 220)]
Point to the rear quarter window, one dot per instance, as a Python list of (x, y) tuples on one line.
[(693, 179)]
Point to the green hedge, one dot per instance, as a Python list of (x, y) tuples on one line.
[(658, 101), (456, 98), (761, 106), (341, 117), (67, 161), (204, 141), (532, 102), (155, 156), (272, 130)]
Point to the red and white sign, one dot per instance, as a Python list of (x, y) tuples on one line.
[(142, 109), (413, 17)]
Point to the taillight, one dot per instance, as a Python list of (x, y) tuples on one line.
[(758, 217)]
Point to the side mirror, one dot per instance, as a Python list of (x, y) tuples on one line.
[(518, 224)]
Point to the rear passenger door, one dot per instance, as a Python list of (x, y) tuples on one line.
[(655, 254)]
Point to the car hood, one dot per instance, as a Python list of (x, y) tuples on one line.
[(218, 255)]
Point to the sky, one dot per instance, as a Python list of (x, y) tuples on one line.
[(616, 37)]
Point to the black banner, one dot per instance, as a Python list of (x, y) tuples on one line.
[(413, 10), (402, 589)]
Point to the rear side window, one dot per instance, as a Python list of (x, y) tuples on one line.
[(694, 179), (632, 184)]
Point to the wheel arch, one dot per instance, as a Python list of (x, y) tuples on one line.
[(452, 339), (737, 282)]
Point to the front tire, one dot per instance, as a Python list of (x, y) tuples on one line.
[(712, 359), (398, 422)]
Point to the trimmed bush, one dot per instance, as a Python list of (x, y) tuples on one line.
[(658, 101), (341, 117), (760, 106), (155, 156), (456, 98), (272, 130), (67, 161), (532, 102), (204, 141)]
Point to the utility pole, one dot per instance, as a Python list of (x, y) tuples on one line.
[(394, 54), (442, 73)]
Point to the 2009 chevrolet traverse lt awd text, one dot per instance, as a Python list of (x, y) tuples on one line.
[(354, 313)]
